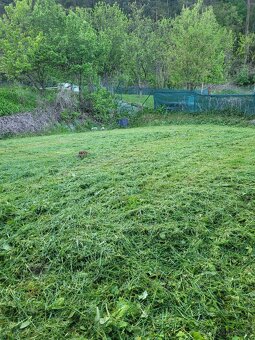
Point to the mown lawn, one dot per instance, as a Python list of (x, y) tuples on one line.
[(149, 237), (145, 100)]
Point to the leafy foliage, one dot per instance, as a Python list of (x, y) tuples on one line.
[(199, 47), (79, 48), (83, 46), (104, 106), (111, 25)]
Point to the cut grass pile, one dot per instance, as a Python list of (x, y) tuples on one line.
[(151, 236)]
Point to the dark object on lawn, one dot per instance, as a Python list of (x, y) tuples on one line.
[(83, 154), (123, 122)]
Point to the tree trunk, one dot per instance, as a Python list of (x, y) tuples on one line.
[(248, 17), (140, 87), (80, 89), (31, 80), (33, 4)]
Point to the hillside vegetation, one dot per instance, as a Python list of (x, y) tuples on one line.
[(42, 43), (18, 99), (151, 236)]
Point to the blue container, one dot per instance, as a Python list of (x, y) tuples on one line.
[(123, 122)]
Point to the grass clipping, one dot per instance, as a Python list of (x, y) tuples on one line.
[(151, 236)]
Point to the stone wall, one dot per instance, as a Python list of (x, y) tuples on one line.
[(37, 121)]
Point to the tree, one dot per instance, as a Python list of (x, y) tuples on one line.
[(162, 36), (79, 49), (48, 19), (139, 55), (110, 24), (19, 43), (29, 40), (230, 14), (246, 55), (3, 4), (199, 47), (248, 16)]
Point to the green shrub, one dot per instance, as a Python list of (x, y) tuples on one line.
[(244, 76), (68, 116), (104, 106)]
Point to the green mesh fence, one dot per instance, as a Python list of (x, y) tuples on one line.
[(193, 101), (239, 103), (147, 90), (134, 90)]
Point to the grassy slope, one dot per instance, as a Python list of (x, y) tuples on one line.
[(163, 211), (18, 99)]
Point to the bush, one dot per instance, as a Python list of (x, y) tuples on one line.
[(69, 115), (244, 76), (104, 106)]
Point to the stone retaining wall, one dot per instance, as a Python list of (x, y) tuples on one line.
[(28, 122)]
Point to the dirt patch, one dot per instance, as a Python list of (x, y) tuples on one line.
[(39, 120)]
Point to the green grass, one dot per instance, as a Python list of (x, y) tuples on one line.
[(149, 237), (156, 118), (145, 100), (18, 99)]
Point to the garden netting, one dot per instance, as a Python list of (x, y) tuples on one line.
[(195, 101)]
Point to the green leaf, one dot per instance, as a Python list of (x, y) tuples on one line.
[(71, 315), (102, 321), (6, 247), (143, 296), (58, 304), (25, 324), (197, 336), (181, 335), (162, 236), (122, 324), (97, 317), (144, 315)]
